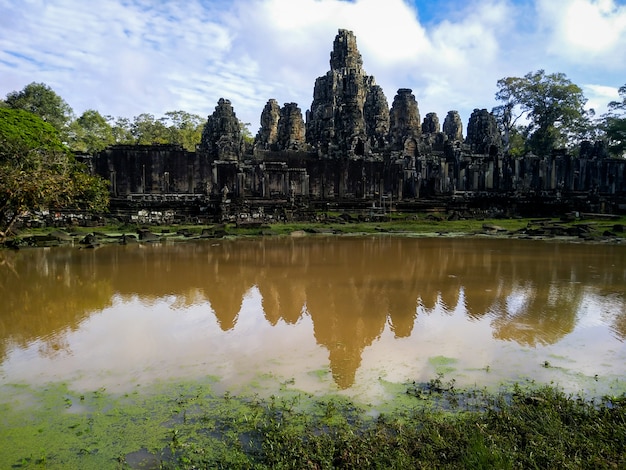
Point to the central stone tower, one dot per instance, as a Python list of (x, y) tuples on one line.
[(349, 116)]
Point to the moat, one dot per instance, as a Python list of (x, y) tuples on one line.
[(319, 314)]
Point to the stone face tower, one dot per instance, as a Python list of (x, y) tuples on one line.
[(482, 133), (291, 128), (268, 133), (453, 127), (404, 128), (221, 137), (430, 125), (336, 122)]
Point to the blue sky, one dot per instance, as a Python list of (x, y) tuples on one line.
[(126, 57)]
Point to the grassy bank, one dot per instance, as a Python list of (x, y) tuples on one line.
[(586, 228), (432, 425)]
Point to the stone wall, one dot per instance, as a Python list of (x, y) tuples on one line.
[(172, 170)]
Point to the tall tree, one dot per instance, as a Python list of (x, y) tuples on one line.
[(121, 128), (37, 171), (147, 130), (185, 128), (41, 100), (615, 125), (551, 105), (90, 133)]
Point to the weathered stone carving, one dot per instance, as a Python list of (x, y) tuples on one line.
[(430, 124), (453, 126), (376, 114), (221, 137), (336, 123), (404, 122), (291, 131), (267, 136), (483, 136)]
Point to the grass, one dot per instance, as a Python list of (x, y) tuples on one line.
[(399, 223), (188, 426)]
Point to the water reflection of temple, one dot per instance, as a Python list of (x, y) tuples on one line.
[(352, 288)]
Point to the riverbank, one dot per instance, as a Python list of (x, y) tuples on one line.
[(582, 228), (200, 425), (427, 425)]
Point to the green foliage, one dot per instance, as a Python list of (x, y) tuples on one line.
[(37, 171), (550, 103), (147, 130), (121, 131), (616, 134), (90, 133), (185, 128), (246, 135), (189, 426), (41, 100), (176, 127), (615, 125)]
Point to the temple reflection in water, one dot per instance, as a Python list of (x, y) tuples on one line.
[(351, 288)]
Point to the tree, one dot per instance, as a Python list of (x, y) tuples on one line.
[(37, 171), (122, 131), (185, 128), (146, 130), (512, 134), (551, 105), (90, 133), (615, 125), (41, 100)]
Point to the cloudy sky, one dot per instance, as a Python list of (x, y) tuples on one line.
[(126, 57)]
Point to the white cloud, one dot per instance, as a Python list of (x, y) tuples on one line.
[(599, 96), (126, 57), (585, 31)]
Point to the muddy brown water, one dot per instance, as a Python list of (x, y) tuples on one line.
[(321, 314)]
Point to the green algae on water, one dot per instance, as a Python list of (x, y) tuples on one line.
[(443, 364)]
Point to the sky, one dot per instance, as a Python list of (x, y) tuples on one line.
[(127, 57)]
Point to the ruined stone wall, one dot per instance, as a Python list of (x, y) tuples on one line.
[(163, 170), (153, 169)]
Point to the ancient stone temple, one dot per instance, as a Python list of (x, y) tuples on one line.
[(221, 137), (354, 151), (342, 100)]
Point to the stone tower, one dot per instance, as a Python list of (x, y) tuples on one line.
[(267, 136), (376, 114), (336, 122), (430, 124), (453, 126), (291, 132), (221, 136), (404, 122), (483, 135)]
